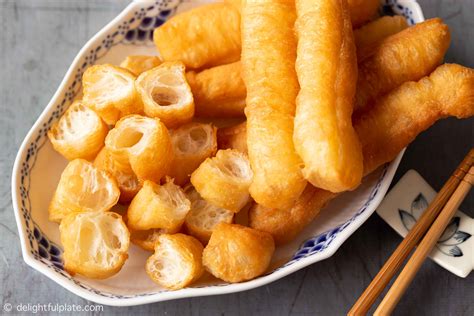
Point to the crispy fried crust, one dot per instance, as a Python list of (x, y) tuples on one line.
[(204, 216), (362, 11), (141, 145), (202, 37), (384, 131), (218, 91), (224, 180), (165, 94), (192, 144), (405, 112), (146, 239), (285, 225), (327, 72), (158, 207), (140, 63), (268, 65), (128, 182), (83, 188), (95, 243), (369, 35), (110, 91), (237, 253), (406, 56), (177, 261), (233, 137), (79, 133)]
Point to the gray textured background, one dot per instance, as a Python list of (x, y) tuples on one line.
[(39, 39)]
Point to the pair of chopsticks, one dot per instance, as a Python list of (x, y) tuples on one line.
[(433, 222)]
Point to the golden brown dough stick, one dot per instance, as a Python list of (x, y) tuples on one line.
[(218, 91), (362, 11), (202, 37), (233, 137), (327, 72), (406, 56), (405, 112), (236, 3), (284, 225), (268, 65), (384, 131), (372, 33)]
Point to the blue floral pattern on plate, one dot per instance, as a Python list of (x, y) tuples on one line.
[(451, 237)]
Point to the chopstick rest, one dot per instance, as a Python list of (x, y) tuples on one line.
[(403, 206), (456, 182), (409, 271)]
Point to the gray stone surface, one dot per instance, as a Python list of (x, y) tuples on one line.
[(39, 39)]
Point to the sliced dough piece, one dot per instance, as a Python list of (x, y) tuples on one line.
[(83, 188), (192, 144), (95, 243), (146, 239), (127, 181), (237, 253), (177, 261), (79, 133), (224, 180), (158, 206), (141, 145), (110, 91), (204, 216), (165, 94)]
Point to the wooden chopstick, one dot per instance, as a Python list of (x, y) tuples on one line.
[(422, 251), (394, 263)]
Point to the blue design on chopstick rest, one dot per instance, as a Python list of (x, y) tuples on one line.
[(137, 30), (451, 237)]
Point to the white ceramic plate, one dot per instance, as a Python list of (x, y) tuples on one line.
[(38, 167)]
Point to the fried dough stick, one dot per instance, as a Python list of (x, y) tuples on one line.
[(268, 65), (369, 35), (326, 65), (384, 131), (406, 56), (362, 10), (407, 111), (206, 36), (218, 91)]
